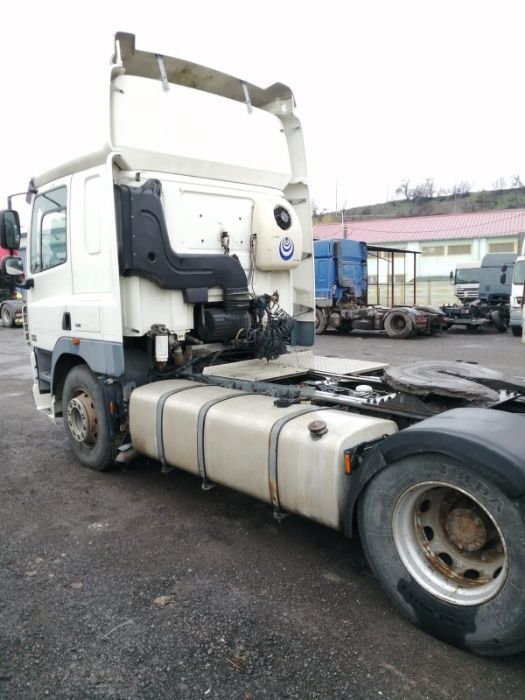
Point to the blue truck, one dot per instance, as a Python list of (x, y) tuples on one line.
[(341, 291)]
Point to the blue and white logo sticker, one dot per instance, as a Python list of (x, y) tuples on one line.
[(286, 248)]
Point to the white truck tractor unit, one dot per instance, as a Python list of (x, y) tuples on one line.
[(170, 305)]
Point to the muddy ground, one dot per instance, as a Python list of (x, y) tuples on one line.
[(141, 585)]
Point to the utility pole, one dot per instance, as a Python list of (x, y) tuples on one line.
[(343, 225)]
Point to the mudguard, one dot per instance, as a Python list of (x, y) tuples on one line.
[(487, 440)]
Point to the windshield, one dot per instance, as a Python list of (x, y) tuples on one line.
[(519, 272), (467, 275)]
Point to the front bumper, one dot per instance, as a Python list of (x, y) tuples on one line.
[(516, 316)]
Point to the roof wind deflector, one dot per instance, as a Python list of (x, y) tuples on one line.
[(145, 64)]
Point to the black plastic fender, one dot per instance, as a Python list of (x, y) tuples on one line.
[(487, 440)]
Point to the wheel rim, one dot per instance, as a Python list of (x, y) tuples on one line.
[(399, 322), (82, 419), (449, 543), (6, 315)]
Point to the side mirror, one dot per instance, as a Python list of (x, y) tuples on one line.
[(504, 268), (503, 278), (9, 229), (12, 266), (451, 275)]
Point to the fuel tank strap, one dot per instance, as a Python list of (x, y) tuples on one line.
[(201, 419), (160, 414), (272, 453)]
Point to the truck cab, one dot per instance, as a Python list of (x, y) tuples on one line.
[(11, 303), (495, 280), (466, 280), (180, 232)]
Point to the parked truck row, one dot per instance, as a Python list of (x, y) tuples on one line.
[(170, 296)]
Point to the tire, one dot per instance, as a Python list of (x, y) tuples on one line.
[(344, 327), (448, 547), (500, 322), (321, 321), (86, 420), (516, 331), (398, 325), (8, 318)]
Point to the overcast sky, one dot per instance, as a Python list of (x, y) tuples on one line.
[(385, 90)]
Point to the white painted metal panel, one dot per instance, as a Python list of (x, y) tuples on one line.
[(177, 123)]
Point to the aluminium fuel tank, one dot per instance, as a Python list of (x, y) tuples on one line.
[(243, 441)]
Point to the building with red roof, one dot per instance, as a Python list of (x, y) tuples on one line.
[(442, 240)]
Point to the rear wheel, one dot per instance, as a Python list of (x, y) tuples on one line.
[(8, 319), (500, 320), (86, 419), (516, 330), (344, 327), (321, 321), (398, 325), (448, 548)]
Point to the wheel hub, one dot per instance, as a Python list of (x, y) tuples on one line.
[(450, 543), (465, 529), (82, 418)]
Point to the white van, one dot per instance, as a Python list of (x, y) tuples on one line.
[(516, 296)]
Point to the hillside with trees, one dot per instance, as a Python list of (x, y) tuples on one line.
[(421, 199)]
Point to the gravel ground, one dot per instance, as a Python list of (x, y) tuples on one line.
[(141, 585)]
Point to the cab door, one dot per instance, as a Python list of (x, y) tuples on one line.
[(49, 266)]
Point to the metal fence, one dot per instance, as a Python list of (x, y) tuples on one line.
[(428, 292)]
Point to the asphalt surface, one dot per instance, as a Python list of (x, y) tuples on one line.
[(141, 585)]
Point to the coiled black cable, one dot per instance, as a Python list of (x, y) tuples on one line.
[(269, 339)]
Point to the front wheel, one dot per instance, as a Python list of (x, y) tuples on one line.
[(86, 419), (448, 547), (8, 319), (516, 331)]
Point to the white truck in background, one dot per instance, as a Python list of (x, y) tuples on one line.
[(466, 280), (516, 297), (169, 286)]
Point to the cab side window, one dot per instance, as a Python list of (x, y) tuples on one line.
[(48, 230)]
